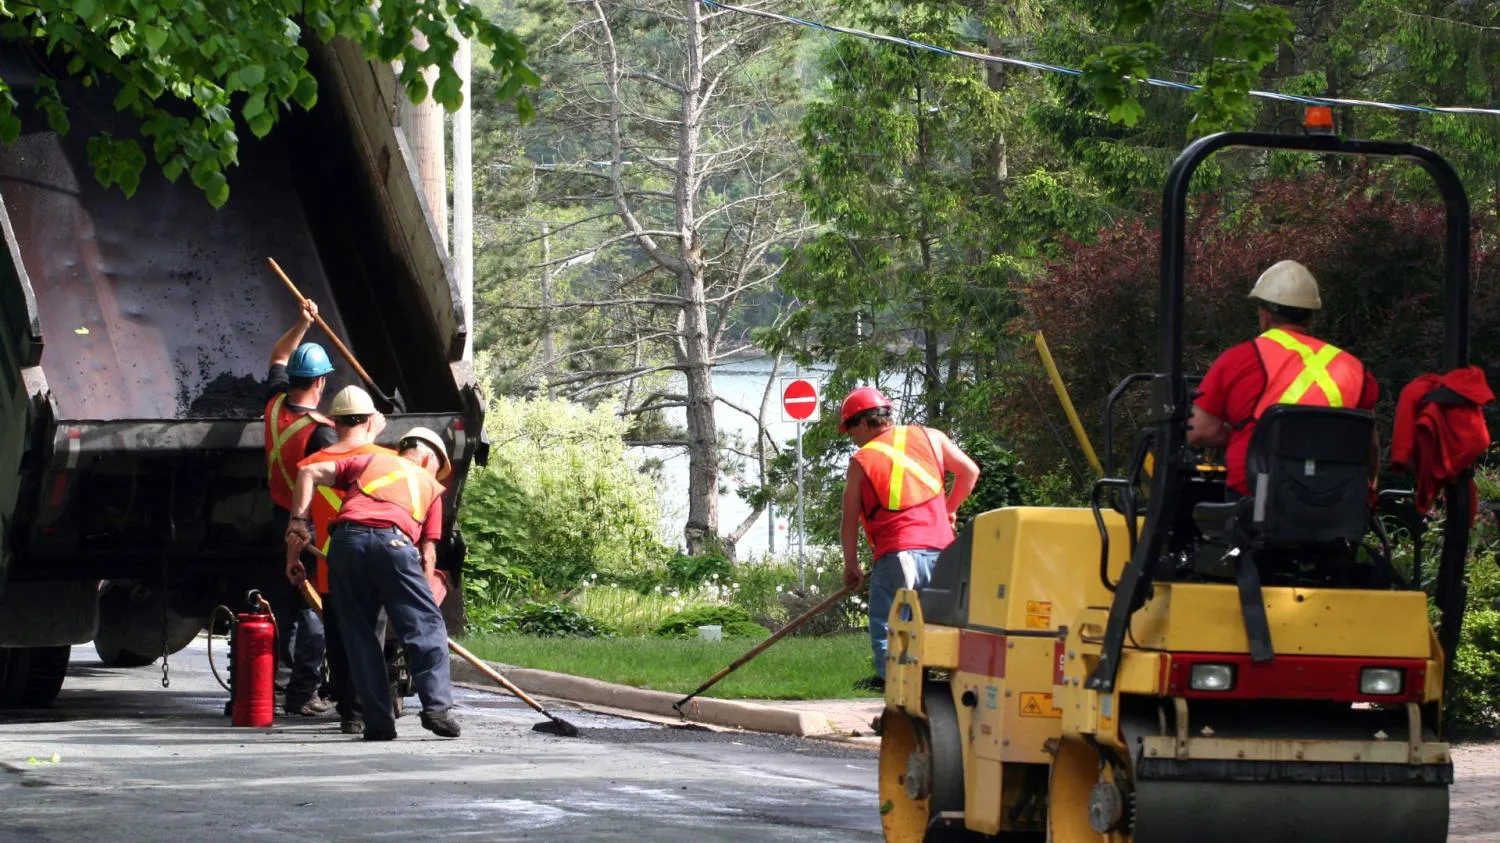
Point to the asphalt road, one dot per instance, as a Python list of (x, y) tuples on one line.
[(143, 763)]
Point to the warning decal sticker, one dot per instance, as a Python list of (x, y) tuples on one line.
[(1038, 705)]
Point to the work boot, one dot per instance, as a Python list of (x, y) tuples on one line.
[(870, 683), (312, 708), (382, 735), (440, 723), (877, 725), (351, 726)]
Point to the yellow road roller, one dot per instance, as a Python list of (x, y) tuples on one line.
[(1168, 666)]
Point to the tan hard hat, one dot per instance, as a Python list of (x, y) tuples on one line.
[(435, 442), (351, 401), (1288, 284)]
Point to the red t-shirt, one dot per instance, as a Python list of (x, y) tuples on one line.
[(1229, 392), (363, 509)]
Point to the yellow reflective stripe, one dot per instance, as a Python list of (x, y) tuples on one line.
[(414, 496), (898, 469), (379, 483), (331, 497), (411, 487), (1314, 369), (900, 464), (280, 437)]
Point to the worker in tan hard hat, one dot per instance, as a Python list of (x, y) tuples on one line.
[(1285, 364), (357, 423), (384, 550)]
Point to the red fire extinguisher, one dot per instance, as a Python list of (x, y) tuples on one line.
[(252, 649)]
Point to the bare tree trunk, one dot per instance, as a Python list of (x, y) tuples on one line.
[(703, 433)]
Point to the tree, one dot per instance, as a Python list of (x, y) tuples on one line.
[(674, 147), (186, 68)]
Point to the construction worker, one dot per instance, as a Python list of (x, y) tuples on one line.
[(293, 429), (1285, 364), (894, 487), (357, 423), (384, 551)]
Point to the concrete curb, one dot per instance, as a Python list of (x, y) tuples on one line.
[(734, 714)]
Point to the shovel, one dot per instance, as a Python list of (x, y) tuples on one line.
[(554, 725), (806, 616), (392, 402)]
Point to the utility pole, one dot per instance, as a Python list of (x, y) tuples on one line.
[(463, 194), (548, 354)]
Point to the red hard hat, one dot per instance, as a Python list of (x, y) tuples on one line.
[(861, 399)]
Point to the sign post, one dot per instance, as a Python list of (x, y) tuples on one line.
[(799, 403)]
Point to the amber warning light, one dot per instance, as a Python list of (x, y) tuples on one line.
[(1318, 120)]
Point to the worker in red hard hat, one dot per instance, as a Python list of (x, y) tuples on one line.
[(895, 489), (1285, 364), (294, 429)]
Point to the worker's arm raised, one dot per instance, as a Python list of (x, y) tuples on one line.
[(281, 352), (849, 526), (965, 472)]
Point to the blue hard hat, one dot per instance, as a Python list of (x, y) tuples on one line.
[(309, 361)]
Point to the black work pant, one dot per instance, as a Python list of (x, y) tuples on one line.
[(301, 637)]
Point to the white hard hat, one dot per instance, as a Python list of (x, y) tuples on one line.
[(1288, 284), (435, 442), (351, 401)]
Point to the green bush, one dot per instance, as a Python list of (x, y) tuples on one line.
[(735, 621), (1475, 700), (561, 499), (685, 572), (546, 619)]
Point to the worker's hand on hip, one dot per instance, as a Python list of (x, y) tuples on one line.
[(853, 575), (309, 311), (953, 520)]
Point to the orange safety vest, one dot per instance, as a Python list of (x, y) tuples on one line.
[(287, 432), (390, 479), (327, 501), (1307, 371), (902, 468)]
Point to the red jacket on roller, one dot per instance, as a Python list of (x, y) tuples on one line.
[(1437, 442)]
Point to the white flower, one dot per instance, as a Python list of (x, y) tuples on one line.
[(778, 589), (813, 588)]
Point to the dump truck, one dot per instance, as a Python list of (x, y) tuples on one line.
[(1170, 665), (134, 338)]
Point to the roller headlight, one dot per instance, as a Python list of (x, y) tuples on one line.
[(1212, 677), (1381, 681)]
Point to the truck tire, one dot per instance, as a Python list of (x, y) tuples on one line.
[(31, 677), (113, 652)]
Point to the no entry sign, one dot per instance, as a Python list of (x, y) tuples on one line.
[(799, 400)]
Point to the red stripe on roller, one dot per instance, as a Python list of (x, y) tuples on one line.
[(981, 653)]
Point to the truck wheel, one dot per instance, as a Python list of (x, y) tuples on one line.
[(31, 677), (113, 653)]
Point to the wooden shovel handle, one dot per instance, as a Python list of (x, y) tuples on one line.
[(334, 338)]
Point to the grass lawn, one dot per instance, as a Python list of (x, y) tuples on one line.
[(792, 669)]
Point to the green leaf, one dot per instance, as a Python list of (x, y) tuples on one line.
[(255, 105), (261, 124), (448, 90), (153, 37), (173, 168), (251, 75), (85, 8), (306, 93)]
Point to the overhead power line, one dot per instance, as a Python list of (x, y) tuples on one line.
[(1072, 71)]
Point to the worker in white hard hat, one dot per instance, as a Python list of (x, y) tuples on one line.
[(383, 554), (1285, 364), (357, 423)]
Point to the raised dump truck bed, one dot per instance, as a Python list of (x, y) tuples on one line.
[(134, 345)]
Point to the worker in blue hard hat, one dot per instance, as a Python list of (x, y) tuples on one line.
[(294, 429)]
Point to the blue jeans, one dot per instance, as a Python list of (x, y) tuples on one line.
[(302, 639), (372, 567), (885, 579)]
